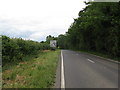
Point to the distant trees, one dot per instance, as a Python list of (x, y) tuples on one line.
[(97, 28), (62, 41), (48, 38)]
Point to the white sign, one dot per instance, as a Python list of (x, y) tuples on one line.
[(53, 43)]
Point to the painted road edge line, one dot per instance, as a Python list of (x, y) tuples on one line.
[(90, 60), (62, 72)]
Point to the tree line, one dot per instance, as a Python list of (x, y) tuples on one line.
[(96, 29)]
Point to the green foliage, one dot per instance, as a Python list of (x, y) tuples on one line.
[(14, 49), (96, 29), (44, 46), (33, 73), (48, 38), (62, 41)]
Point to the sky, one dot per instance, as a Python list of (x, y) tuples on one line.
[(36, 19)]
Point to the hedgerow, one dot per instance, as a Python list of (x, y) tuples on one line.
[(14, 49)]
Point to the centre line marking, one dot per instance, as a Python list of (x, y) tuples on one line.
[(62, 72), (90, 60)]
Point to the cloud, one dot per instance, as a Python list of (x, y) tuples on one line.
[(35, 19)]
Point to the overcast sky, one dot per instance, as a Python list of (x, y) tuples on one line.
[(36, 19)]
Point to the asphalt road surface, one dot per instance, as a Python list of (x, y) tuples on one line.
[(80, 70)]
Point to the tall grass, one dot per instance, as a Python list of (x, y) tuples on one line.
[(37, 72)]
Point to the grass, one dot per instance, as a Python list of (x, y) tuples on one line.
[(37, 72), (101, 54), (0, 77)]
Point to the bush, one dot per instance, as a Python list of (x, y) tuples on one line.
[(14, 49)]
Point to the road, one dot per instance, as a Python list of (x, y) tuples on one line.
[(80, 70)]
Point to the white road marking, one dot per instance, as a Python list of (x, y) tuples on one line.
[(62, 72), (90, 60)]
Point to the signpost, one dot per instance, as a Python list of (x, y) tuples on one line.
[(53, 44)]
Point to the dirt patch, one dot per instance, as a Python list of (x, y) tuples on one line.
[(32, 68), (8, 82), (45, 50), (20, 79), (39, 63), (7, 71), (23, 63)]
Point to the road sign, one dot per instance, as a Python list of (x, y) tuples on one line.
[(53, 43)]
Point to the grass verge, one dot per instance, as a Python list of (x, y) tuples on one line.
[(37, 72)]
